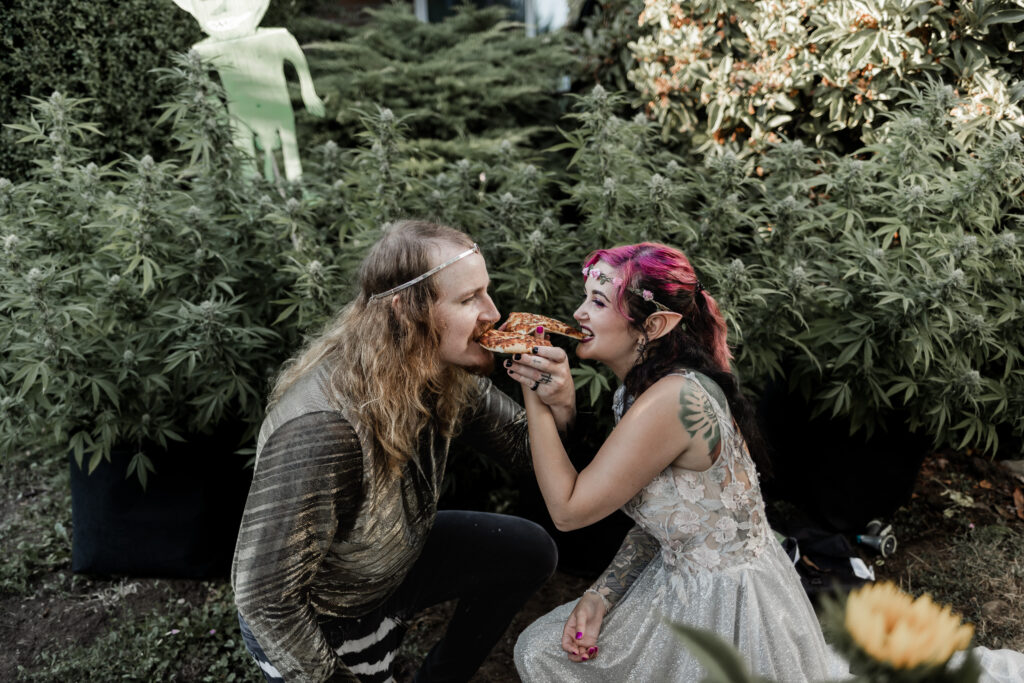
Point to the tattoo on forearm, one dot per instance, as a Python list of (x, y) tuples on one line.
[(635, 553), (697, 414)]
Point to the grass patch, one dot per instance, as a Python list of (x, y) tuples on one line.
[(182, 639), (59, 626), (981, 574), (35, 521)]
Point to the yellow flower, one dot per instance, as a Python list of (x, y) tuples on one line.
[(894, 628)]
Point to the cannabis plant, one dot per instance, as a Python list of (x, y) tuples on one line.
[(882, 284), (132, 311)]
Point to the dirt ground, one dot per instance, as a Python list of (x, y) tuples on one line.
[(955, 496)]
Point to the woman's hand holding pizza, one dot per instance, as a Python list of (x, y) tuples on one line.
[(544, 375), (541, 368)]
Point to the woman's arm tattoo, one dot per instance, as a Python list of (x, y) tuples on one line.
[(697, 413), (635, 553)]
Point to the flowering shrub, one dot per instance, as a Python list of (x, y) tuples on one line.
[(748, 73)]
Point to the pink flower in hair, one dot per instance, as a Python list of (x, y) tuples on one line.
[(646, 294), (594, 272), (586, 270), (617, 282)]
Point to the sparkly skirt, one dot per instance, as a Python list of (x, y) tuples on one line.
[(760, 607)]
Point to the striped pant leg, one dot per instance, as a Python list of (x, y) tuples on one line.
[(367, 646), (270, 672)]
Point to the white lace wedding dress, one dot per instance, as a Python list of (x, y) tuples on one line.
[(720, 569)]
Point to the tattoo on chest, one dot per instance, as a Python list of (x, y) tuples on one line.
[(697, 414)]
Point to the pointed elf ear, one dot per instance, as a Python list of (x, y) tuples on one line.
[(660, 323)]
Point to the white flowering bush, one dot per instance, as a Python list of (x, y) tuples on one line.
[(747, 73)]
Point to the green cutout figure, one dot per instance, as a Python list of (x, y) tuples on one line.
[(250, 62)]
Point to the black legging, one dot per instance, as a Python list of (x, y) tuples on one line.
[(490, 563)]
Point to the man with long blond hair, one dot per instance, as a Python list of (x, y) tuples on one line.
[(341, 538)]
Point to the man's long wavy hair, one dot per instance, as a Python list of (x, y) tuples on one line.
[(698, 343), (384, 356)]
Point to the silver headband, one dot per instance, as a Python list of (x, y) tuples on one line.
[(421, 278)]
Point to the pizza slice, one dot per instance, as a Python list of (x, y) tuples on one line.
[(503, 341), (526, 323)]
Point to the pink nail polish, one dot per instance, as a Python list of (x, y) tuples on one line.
[(579, 634), (540, 330), (591, 650), (584, 658)]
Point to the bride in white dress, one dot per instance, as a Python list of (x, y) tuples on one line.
[(701, 552)]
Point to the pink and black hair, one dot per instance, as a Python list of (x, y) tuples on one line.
[(698, 343), (669, 276)]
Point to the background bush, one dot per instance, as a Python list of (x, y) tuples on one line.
[(462, 87), (132, 309), (148, 300), (743, 74), (104, 50), (99, 49), (879, 284)]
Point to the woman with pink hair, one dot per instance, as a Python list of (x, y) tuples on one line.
[(681, 463)]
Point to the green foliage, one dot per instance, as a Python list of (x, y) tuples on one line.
[(101, 49), (35, 529), (133, 311), (473, 75), (104, 50), (195, 640), (744, 74), (603, 44), (802, 256), (145, 300)]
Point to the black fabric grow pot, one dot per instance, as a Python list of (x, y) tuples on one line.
[(841, 481), (183, 525)]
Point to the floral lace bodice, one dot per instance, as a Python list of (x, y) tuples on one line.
[(704, 520)]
